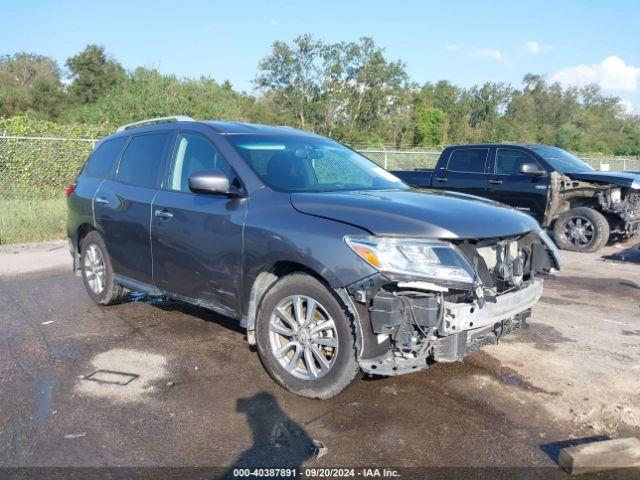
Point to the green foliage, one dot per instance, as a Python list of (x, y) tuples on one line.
[(349, 91), (93, 74), (30, 82), (430, 126), (147, 93), (41, 169), (32, 220)]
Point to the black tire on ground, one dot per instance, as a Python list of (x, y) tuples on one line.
[(581, 229), (111, 292), (343, 365)]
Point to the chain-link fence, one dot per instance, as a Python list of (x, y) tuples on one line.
[(35, 171)]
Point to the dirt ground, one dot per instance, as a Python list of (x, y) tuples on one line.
[(179, 386)]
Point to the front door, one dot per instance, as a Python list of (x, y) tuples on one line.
[(524, 192), (197, 238)]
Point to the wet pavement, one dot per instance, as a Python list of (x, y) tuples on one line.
[(156, 382)]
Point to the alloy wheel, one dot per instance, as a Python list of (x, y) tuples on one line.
[(579, 231), (94, 269), (303, 337)]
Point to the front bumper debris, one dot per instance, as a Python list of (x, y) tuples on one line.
[(464, 316)]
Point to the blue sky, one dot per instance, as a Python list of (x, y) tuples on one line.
[(462, 41)]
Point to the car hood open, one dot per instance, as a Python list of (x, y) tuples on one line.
[(621, 179), (417, 213)]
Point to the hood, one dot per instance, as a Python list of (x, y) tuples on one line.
[(417, 213), (621, 179)]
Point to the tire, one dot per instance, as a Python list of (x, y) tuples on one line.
[(581, 229), (95, 265), (312, 338)]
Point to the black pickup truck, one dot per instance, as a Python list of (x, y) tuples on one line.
[(582, 206)]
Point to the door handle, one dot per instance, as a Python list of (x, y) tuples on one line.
[(441, 179), (102, 201), (163, 214), (495, 181)]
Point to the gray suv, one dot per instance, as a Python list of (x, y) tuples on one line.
[(332, 264)]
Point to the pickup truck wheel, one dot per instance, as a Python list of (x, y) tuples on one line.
[(305, 338), (581, 229), (97, 272)]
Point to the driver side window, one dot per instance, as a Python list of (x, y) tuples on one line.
[(508, 162), (194, 153)]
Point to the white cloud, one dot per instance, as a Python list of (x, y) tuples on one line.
[(534, 48), (627, 107), (451, 47), (612, 74), (274, 23), (489, 53)]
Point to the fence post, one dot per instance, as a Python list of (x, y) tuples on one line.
[(385, 160), (624, 164)]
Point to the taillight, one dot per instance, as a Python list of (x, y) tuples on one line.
[(71, 188)]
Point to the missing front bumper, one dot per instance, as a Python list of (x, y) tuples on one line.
[(459, 317)]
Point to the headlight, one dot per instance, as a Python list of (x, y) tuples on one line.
[(635, 184), (616, 195), (433, 260)]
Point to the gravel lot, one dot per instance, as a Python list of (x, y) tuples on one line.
[(190, 391)]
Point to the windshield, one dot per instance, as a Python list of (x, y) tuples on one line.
[(300, 163), (561, 160)]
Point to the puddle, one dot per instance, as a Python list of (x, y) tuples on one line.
[(518, 382), (44, 400), (543, 337), (123, 375)]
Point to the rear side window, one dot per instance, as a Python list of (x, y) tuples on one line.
[(142, 160), (103, 159), (508, 162), (469, 160)]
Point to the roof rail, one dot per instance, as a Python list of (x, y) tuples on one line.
[(151, 121)]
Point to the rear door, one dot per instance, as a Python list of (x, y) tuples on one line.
[(123, 205), (464, 171), (197, 238), (507, 185)]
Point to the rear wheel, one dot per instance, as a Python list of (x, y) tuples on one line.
[(97, 273), (305, 338), (581, 229)]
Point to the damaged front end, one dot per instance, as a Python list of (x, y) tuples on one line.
[(621, 205), (439, 301)]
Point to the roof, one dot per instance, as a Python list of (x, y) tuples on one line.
[(222, 127), (230, 128), (489, 145)]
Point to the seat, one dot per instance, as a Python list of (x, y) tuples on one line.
[(283, 171)]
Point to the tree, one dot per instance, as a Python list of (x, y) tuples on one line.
[(30, 82), (93, 73), (348, 90)]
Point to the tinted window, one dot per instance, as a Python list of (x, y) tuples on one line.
[(561, 160), (194, 153), (103, 159), (508, 162), (142, 160), (309, 163), (470, 160)]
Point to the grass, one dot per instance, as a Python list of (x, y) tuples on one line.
[(32, 220)]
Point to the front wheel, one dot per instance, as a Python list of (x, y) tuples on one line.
[(581, 229), (305, 337)]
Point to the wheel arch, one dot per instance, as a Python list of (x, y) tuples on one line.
[(271, 274)]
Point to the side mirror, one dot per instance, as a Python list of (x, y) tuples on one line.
[(211, 182), (531, 169)]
